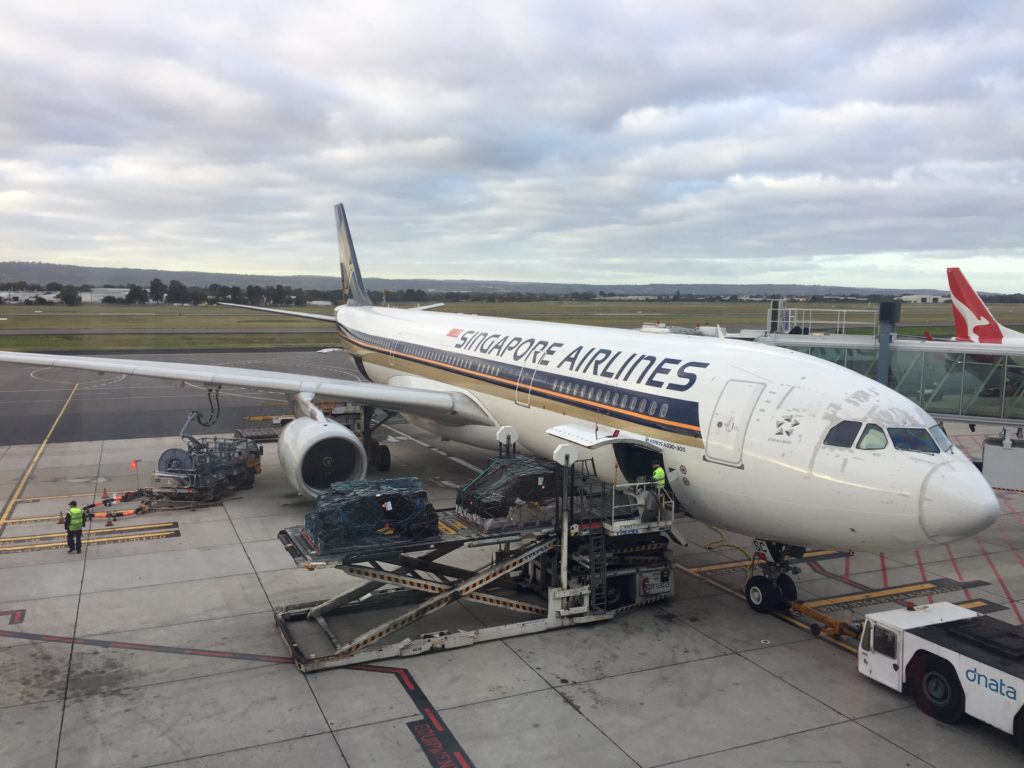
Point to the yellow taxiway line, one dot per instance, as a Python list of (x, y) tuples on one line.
[(35, 459), (92, 540)]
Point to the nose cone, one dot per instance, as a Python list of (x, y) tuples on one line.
[(956, 502)]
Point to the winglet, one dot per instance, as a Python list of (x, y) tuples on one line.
[(352, 290), (974, 321)]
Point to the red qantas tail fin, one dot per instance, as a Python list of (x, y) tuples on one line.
[(974, 322)]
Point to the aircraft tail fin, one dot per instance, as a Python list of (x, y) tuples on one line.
[(352, 290), (974, 321)]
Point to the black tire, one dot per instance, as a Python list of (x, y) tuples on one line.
[(787, 588), (382, 458), (762, 594), (616, 592), (936, 689)]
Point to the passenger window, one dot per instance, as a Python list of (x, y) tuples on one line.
[(643, 405), (843, 434), (632, 403), (615, 398), (885, 642), (663, 411), (873, 438), (918, 440), (652, 408)]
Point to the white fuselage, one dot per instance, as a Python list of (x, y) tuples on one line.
[(739, 427)]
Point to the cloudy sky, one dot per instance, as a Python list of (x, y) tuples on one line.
[(866, 143)]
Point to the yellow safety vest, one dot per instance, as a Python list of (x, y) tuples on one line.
[(75, 518)]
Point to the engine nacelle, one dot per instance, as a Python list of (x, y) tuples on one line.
[(315, 454)]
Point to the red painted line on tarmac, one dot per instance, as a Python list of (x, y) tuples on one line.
[(438, 743), (999, 578), (1006, 540), (430, 715), (956, 569), (120, 645), (818, 568), (401, 674), (924, 577), (407, 681), (1007, 502), (17, 615)]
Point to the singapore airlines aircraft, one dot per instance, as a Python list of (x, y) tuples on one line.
[(974, 321), (766, 442)]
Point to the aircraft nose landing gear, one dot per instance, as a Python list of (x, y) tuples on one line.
[(774, 586)]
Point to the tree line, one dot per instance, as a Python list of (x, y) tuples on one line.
[(176, 292)]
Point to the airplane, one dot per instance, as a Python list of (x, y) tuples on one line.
[(976, 324), (774, 444), (974, 321)]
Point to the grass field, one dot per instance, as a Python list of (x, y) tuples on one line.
[(113, 328)]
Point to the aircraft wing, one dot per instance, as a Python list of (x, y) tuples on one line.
[(289, 312), (450, 407)]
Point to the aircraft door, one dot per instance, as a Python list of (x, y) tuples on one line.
[(728, 429), (524, 386)]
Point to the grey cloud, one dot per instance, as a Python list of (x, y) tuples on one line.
[(529, 140)]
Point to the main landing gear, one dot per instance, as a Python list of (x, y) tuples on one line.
[(774, 585)]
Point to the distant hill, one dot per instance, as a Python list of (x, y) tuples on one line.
[(42, 273)]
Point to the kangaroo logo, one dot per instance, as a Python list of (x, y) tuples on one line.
[(971, 320)]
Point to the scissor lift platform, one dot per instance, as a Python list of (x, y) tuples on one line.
[(523, 588)]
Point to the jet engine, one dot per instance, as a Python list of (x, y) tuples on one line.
[(316, 453)]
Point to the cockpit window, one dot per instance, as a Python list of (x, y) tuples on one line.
[(907, 439), (940, 437), (843, 434), (872, 439)]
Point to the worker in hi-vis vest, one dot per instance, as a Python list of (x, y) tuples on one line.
[(74, 521), (658, 475)]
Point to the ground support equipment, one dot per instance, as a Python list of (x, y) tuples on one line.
[(578, 569)]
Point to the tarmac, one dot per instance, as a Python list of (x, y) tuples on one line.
[(157, 645)]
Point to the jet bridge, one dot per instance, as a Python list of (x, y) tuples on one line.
[(952, 380), (603, 550)]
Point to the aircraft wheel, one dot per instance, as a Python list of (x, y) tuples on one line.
[(382, 459), (787, 588), (762, 594), (936, 688)]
